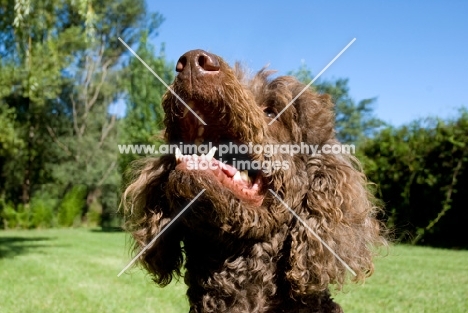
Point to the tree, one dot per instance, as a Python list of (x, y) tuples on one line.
[(144, 116), (61, 69), (10, 142)]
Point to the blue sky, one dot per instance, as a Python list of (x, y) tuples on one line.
[(411, 55)]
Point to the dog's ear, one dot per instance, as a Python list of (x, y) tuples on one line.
[(339, 210), (147, 213), (310, 119), (315, 116)]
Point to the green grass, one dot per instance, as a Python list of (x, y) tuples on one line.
[(412, 279), (75, 270), (68, 270)]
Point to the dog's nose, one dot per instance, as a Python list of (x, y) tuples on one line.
[(197, 61)]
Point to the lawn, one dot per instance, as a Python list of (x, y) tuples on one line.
[(75, 270)]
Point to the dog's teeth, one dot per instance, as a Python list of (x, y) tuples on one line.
[(178, 155), (237, 176), (201, 129), (245, 176), (191, 104), (211, 153)]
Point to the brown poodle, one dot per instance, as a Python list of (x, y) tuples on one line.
[(243, 240)]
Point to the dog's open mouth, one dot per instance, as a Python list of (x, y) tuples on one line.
[(231, 169)]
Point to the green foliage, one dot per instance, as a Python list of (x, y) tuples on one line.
[(144, 117), (57, 83), (70, 209), (94, 215), (421, 170), (9, 141), (38, 214), (13, 217), (42, 211)]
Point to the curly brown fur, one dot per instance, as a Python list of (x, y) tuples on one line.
[(242, 249)]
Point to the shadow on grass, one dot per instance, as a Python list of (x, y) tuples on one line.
[(108, 230), (15, 245)]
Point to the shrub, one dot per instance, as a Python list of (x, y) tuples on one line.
[(93, 217), (42, 211), (14, 217), (71, 207)]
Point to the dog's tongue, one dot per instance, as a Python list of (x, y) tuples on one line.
[(228, 176)]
